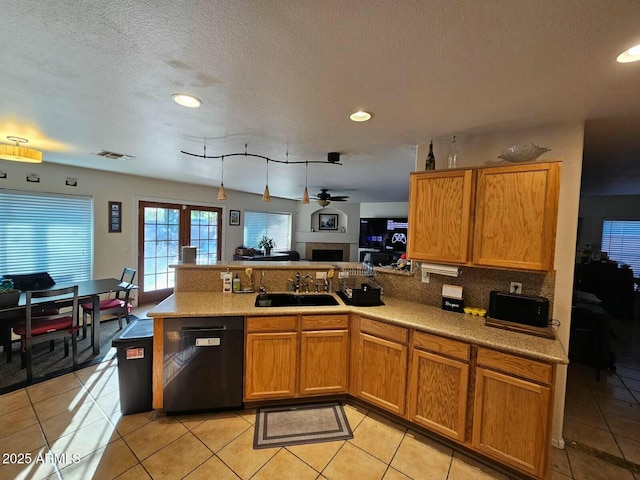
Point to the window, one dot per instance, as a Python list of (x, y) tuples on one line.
[(163, 228), (271, 224), (46, 233), (621, 240)]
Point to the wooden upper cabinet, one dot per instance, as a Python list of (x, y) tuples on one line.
[(440, 209), (503, 217), (515, 216)]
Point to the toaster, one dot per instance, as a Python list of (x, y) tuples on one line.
[(523, 309)]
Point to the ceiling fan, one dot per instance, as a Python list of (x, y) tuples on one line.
[(324, 198)]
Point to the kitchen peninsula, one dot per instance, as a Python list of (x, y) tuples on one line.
[(486, 389)]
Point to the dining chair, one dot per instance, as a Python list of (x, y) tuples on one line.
[(41, 329), (118, 305)]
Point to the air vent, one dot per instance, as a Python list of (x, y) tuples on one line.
[(113, 155)]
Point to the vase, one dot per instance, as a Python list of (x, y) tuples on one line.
[(267, 252)]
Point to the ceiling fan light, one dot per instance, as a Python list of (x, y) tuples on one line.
[(265, 196), (305, 196), (323, 203), (222, 194), (18, 153)]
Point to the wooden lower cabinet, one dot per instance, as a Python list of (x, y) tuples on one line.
[(511, 420), (271, 365), (292, 356), (324, 362), (438, 393), (505, 414), (380, 368)]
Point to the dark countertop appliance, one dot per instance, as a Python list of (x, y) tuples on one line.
[(523, 309)]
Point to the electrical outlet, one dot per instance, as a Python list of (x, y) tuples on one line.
[(516, 287), (343, 274), (425, 277), (222, 275), (321, 275)]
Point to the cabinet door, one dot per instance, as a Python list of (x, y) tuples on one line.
[(510, 420), (440, 216), (271, 360), (516, 213), (323, 362), (382, 372), (438, 393)]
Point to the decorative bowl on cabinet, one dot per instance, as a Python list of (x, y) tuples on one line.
[(522, 153)]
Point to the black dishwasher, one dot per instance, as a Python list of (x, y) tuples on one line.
[(203, 363)]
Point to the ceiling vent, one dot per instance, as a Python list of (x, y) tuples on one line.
[(113, 155)]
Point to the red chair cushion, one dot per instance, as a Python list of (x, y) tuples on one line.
[(40, 326), (107, 304)]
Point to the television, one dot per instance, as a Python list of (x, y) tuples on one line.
[(383, 234)]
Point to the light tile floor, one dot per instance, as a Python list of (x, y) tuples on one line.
[(72, 427)]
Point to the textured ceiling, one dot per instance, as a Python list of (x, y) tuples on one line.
[(284, 75)]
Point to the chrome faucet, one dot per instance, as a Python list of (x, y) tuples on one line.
[(261, 288), (298, 284)]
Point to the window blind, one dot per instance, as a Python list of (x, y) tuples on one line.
[(272, 224), (46, 233), (621, 240)]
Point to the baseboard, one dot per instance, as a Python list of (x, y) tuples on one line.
[(558, 443)]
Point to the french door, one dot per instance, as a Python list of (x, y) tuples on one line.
[(162, 229)]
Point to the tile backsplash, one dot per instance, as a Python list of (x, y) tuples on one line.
[(476, 282)]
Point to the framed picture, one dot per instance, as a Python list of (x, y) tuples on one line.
[(234, 217), (328, 221), (115, 217)]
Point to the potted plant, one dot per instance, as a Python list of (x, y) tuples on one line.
[(267, 244)]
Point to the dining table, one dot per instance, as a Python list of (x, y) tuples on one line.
[(88, 290)]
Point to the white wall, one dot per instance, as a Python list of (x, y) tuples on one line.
[(384, 209), (566, 143), (348, 226), (113, 251)]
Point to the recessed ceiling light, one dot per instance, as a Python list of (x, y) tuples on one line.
[(360, 116), (186, 100), (631, 55)]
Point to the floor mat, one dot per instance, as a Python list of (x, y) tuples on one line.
[(300, 424)]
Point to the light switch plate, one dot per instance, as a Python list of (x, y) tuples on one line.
[(321, 275), (425, 277)]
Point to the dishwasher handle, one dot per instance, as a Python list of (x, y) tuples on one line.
[(216, 328)]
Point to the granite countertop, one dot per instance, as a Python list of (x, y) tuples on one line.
[(404, 313)]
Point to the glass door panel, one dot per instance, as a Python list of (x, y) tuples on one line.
[(163, 228)]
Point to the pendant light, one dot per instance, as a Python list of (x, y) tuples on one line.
[(305, 195), (222, 195), (265, 196)]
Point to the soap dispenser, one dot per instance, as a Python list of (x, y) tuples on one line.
[(226, 281), (236, 283)]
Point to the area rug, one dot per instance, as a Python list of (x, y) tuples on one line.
[(297, 425), (47, 365)]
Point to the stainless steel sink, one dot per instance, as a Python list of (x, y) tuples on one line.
[(295, 300)]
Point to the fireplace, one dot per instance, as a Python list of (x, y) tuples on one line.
[(326, 255), (327, 251)]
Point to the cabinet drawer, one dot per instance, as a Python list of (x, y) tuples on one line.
[(444, 346), (324, 322), (384, 330), (272, 324), (521, 367)]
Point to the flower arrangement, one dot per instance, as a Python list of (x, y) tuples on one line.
[(266, 243)]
